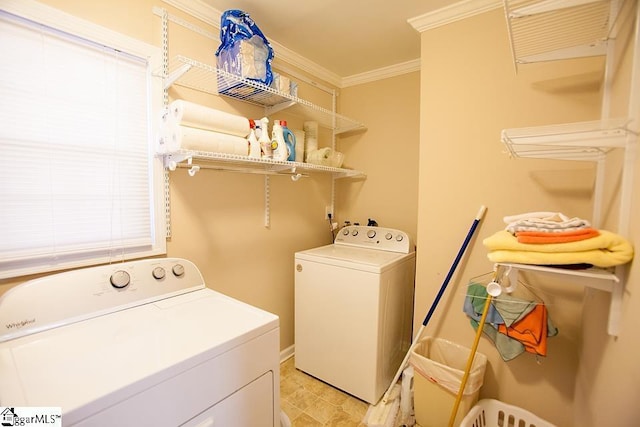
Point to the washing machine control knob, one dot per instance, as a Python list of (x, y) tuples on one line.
[(388, 236), (345, 232), (178, 270), (399, 238), (354, 232), (120, 279), (158, 273), (371, 234)]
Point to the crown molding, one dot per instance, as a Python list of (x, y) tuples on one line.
[(300, 62), (446, 15), (382, 73), (452, 13), (198, 9)]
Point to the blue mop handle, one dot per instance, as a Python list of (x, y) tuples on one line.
[(417, 336), (463, 248)]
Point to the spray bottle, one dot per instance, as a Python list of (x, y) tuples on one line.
[(254, 145), (290, 141), (265, 142), (277, 142)]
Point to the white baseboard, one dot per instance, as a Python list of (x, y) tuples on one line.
[(287, 353)]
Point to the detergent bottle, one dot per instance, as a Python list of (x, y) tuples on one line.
[(290, 141), (254, 145), (265, 142), (277, 142)]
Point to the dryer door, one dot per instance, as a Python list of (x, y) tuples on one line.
[(247, 407)]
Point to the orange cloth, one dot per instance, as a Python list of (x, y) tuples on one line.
[(556, 237), (531, 330)]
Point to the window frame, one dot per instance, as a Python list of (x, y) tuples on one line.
[(65, 22)]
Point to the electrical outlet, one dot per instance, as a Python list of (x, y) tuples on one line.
[(328, 212)]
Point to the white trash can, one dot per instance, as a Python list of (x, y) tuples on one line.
[(439, 367)]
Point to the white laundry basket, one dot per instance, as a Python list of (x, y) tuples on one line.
[(493, 413)]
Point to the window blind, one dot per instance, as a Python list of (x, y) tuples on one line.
[(76, 173)]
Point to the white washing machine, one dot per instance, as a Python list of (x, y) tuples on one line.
[(140, 343), (354, 309)]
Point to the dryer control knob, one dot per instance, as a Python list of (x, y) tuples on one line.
[(399, 238), (371, 234), (178, 270), (388, 236), (158, 273), (354, 233), (120, 279), (345, 232)]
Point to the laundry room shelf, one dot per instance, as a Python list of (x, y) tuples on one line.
[(547, 30), (195, 160), (184, 71), (589, 141), (206, 78), (595, 278), (544, 30)]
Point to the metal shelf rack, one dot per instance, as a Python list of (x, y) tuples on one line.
[(548, 30), (588, 141), (187, 72), (196, 75), (595, 278), (196, 160)]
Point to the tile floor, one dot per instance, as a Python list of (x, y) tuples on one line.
[(309, 402)]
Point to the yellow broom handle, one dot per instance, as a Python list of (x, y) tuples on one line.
[(467, 369)]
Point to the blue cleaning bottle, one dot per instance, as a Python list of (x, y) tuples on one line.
[(290, 141)]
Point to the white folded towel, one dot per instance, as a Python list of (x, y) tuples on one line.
[(544, 221), (529, 215)]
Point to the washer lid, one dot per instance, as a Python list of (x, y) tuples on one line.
[(89, 365), (354, 257)]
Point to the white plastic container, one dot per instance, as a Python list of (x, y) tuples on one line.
[(277, 142), (300, 136), (254, 145), (265, 141), (493, 413)]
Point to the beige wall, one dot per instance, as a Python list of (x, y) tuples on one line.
[(217, 218), (469, 92), (387, 152)]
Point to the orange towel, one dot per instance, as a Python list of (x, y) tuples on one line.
[(531, 330), (556, 237)]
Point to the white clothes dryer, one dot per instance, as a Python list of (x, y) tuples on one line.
[(354, 309), (141, 343)]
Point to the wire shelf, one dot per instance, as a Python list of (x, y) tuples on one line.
[(543, 30), (246, 164), (588, 141), (196, 75)]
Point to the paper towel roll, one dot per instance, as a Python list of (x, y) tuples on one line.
[(310, 138), (311, 129), (299, 134), (198, 116), (188, 138)]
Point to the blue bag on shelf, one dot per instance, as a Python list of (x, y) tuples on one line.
[(244, 52)]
